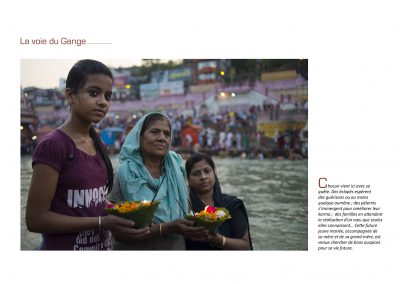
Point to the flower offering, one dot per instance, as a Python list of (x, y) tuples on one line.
[(128, 206), (210, 218), (141, 212)]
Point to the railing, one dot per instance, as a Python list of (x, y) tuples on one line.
[(282, 115)]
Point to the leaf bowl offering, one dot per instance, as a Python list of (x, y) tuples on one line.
[(210, 218), (141, 212)]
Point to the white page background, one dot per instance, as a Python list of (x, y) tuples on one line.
[(353, 53)]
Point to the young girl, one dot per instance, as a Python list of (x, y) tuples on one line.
[(72, 172)]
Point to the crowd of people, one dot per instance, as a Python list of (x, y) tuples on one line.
[(231, 134), (227, 133)]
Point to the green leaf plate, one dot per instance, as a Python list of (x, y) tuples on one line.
[(210, 225), (141, 216)]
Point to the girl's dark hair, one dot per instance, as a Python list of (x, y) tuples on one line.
[(103, 152), (150, 118), (76, 79), (80, 72), (197, 157)]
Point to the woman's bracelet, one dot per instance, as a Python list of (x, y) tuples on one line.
[(223, 241), (99, 223)]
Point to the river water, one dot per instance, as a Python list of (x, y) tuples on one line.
[(274, 192)]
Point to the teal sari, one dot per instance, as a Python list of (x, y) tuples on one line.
[(137, 183)]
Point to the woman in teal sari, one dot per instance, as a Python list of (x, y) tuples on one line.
[(149, 169)]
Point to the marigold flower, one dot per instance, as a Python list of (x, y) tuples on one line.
[(211, 213), (210, 218), (129, 206)]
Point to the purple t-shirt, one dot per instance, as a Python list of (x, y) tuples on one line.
[(81, 190)]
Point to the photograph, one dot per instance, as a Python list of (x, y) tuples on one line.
[(222, 133)]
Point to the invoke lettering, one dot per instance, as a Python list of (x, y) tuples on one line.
[(85, 198)]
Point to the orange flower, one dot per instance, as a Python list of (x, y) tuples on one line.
[(129, 206), (214, 214)]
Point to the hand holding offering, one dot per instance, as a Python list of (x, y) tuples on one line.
[(141, 212), (210, 218)]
